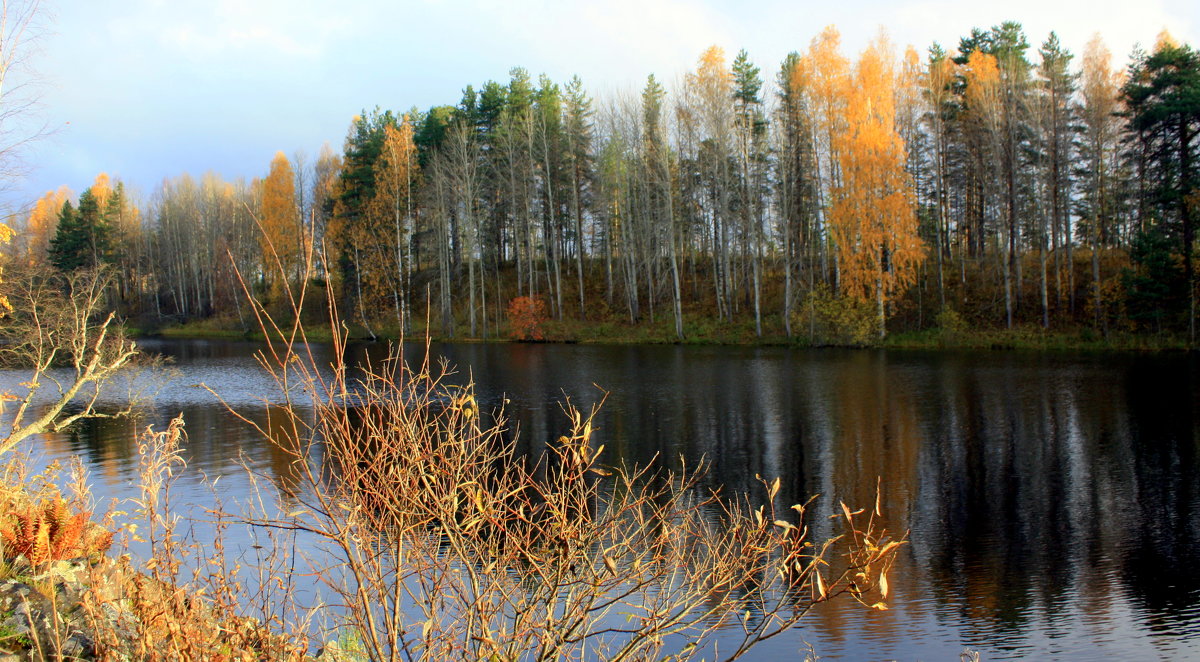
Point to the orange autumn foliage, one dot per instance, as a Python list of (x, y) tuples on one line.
[(52, 531), (711, 70), (872, 219), (102, 190), (983, 89), (42, 223), (282, 234), (390, 211), (825, 73), (525, 318)]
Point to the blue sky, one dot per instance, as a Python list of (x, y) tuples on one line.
[(147, 89)]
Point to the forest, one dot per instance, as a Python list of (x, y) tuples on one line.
[(841, 200)]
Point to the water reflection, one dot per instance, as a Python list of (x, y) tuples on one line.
[(1052, 500)]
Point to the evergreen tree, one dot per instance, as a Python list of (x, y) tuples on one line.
[(752, 147), (1153, 287), (1162, 98), (349, 228), (83, 237), (580, 163), (431, 128), (1056, 126), (65, 245)]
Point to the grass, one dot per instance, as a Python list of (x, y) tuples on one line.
[(1035, 338), (222, 329), (700, 330)]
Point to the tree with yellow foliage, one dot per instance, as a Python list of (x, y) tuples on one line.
[(1100, 149), (392, 209), (52, 320), (40, 226), (872, 220), (282, 235), (710, 88), (825, 72)]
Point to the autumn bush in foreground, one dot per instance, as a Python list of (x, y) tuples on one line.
[(63, 598), (52, 531), (190, 599), (435, 539)]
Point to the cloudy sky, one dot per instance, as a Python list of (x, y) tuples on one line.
[(147, 89)]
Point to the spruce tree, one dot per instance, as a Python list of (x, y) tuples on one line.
[(83, 239), (64, 245)]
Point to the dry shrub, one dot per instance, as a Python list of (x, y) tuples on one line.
[(950, 323), (441, 541), (188, 600), (434, 539), (40, 524)]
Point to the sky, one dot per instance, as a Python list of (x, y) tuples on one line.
[(149, 89)]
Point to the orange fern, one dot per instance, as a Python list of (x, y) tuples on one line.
[(49, 531)]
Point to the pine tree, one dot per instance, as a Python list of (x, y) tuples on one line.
[(1162, 96)]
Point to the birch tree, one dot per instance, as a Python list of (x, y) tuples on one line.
[(872, 217)]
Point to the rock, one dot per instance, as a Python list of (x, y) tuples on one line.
[(78, 645), (22, 599), (56, 619)]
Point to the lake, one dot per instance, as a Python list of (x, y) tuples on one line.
[(1052, 500)]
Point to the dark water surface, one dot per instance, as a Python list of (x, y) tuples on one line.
[(1053, 500)]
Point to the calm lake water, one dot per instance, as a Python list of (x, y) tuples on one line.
[(1053, 501)]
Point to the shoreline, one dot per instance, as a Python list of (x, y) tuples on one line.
[(607, 333)]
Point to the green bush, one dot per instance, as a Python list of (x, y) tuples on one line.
[(833, 319), (950, 322)]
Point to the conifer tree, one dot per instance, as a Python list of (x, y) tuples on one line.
[(82, 239), (1162, 96)]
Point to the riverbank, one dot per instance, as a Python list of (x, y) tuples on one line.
[(711, 332)]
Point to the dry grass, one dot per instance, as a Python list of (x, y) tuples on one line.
[(189, 599)]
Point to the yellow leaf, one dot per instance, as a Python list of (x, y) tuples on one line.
[(883, 584)]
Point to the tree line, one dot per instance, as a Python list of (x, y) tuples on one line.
[(994, 183)]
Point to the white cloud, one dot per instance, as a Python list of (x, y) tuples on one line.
[(232, 29), (1121, 23), (158, 86)]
